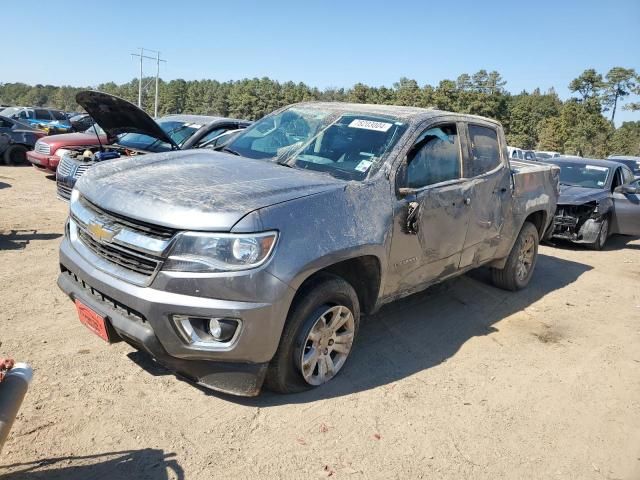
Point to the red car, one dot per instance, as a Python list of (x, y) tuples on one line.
[(48, 150)]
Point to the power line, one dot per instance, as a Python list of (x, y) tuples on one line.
[(157, 58)]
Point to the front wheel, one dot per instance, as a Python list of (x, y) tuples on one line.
[(521, 262), (318, 336), (15, 155), (603, 235)]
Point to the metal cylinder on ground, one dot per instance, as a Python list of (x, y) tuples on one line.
[(12, 392)]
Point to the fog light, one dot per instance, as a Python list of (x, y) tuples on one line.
[(222, 329), (208, 333)]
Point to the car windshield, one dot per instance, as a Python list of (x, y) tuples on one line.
[(540, 155), (7, 112), (178, 131), (92, 131), (583, 175), (345, 145)]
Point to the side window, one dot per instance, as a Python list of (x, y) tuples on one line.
[(210, 136), (42, 114), (58, 115), (435, 157), (627, 175), (617, 179), (22, 115), (485, 152)]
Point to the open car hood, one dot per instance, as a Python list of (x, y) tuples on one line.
[(116, 116)]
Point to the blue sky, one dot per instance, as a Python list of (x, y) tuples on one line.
[(330, 43)]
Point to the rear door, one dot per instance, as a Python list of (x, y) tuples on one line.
[(627, 205), (430, 223), (491, 194)]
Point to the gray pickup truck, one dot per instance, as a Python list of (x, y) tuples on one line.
[(254, 264)]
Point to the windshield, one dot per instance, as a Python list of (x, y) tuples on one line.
[(92, 131), (178, 131), (581, 175), (345, 145)]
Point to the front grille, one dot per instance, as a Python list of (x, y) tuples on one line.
[(122, 256), (109, 302), (43, 148), (154, 231), (64, 191), (71, 168), (82, 168), (65, 167)]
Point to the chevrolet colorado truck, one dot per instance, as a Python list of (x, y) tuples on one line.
[(254, 264)]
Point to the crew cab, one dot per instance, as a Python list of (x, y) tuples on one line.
[(255, 263), (129, 132), (597, 198)]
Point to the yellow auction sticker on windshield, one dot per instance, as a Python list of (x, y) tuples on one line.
[(371, 125)]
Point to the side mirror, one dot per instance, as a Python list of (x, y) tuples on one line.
[(626, 189)]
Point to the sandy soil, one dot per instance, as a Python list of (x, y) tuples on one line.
[(461, 381)]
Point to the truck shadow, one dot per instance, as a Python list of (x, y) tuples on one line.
[(19, 239), (148, 463), (615, 242), (417, 332), (428, 328)]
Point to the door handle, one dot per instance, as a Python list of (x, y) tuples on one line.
[(467, 201)]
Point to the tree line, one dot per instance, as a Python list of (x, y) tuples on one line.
[(581, 125)]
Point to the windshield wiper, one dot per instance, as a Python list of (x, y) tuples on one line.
[(228, 150)]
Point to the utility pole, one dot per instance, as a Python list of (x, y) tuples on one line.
[(158, 60)]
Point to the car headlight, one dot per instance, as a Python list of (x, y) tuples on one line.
[(75, 196), (219, 252)]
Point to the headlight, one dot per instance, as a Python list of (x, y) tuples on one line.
[(75, 196), (220, 252)]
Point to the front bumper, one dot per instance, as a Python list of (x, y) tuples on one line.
[(587, 232), (43, 162), (142, 317)]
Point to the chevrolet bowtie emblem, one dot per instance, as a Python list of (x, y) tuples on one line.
[(101, 232)]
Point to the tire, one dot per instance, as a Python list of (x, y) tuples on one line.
[(327, 293), (603, 235), (523, 255), (15, 155)]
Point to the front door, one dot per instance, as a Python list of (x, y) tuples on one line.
[(432, 211), (626, 202), (491, 193)]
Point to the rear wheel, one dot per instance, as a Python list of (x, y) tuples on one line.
[(15, 155), (603, 235), (521, 262), (318, 336)]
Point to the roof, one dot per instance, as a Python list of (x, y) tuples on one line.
[(623, 157), (200, 119), (409, 114), (584, 161)]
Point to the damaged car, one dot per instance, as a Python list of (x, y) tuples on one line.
[(16, 139), (130, 132), (598, 198), (254, 264)]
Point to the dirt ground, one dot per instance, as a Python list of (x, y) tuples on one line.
[(461, 381)]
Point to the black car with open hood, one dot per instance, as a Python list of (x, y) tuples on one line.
[(131, 132)]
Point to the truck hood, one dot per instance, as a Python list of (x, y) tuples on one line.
[(196, 189), (73, 140), (570, 195), (116, 116)]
